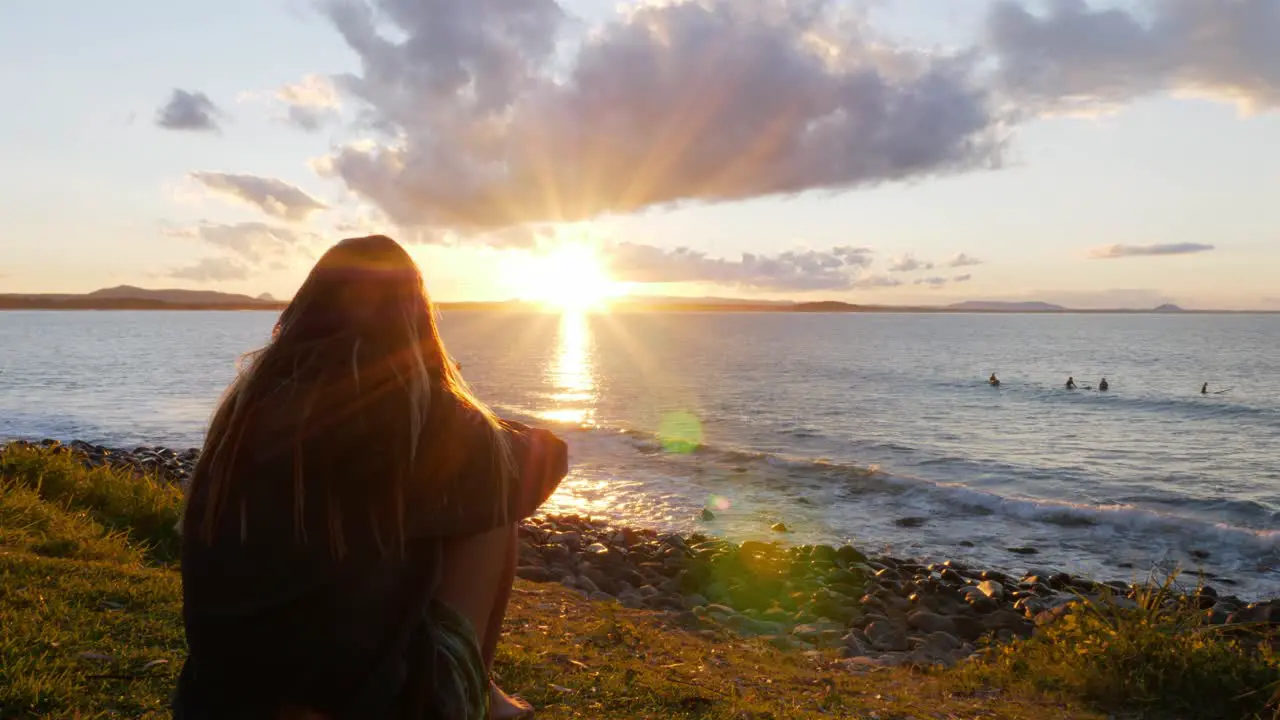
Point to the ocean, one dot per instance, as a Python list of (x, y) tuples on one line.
[(875, 429)]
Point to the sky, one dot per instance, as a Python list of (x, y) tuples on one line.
[(1091, 153)]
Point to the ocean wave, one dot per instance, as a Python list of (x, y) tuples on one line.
[(958, 499)]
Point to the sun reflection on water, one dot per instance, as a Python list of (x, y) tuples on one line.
[(571, 374)]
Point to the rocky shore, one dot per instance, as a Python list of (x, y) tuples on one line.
[(878, 610)]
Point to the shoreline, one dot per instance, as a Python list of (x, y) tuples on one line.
[(878, 610)]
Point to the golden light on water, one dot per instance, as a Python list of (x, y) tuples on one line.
[(571, 375)]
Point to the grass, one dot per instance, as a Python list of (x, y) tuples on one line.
[(90, 606), (1161, 659), (144, 509)]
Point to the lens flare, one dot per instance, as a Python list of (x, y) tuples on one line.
[(680, 432)]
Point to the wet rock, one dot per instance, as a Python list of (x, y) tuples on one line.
[(1023, 550), (992, 589), (779, 527), (910, 522), (849, 555), (706, 515)]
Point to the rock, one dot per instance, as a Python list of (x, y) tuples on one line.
[(886, 637), (1009, 621), (534, 573), (992, 589), (695, 600), (598, 596), (929, 622), (785, 642), (979, 601), (848, 555), (945, 642), (819, 636), (910, 522), (1023, 550), (687, 619), (967, 628), (1255, 614), (779, 527), (1052, 615), (706, 515), (571, 539)]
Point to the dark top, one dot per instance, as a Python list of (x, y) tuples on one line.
[(273, 623)]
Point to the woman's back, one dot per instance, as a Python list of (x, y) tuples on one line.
[(336, 473)]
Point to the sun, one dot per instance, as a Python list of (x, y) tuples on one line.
[(569, 277)]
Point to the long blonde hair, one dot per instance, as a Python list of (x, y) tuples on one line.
[(355, 401)]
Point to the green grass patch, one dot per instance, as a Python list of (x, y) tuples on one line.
[(1161, 659), (142, 507), (29, 523)]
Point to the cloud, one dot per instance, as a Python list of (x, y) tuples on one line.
[(1111, 252), (963, 260), (804, 270), (487, 125), (933, 282), (908, 263), (244, 249), (962, 278), (310, 103), (214, 269), (270, 195), (874, 281), (188, 111), (1078, 55)]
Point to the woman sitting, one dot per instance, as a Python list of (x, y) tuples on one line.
[(350, 532)]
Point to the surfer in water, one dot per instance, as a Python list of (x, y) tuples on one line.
[(1071, 383), (994, 381), (1102, 386), (1204, 389)]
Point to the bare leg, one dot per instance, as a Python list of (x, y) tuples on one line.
[(478, 573)]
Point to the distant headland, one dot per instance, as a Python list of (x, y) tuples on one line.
[(128, 297)]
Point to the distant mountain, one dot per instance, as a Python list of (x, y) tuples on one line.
[(198, 297), (1168, 308), (128, 297), (827, 306), (1001, 306), (658, 300)]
